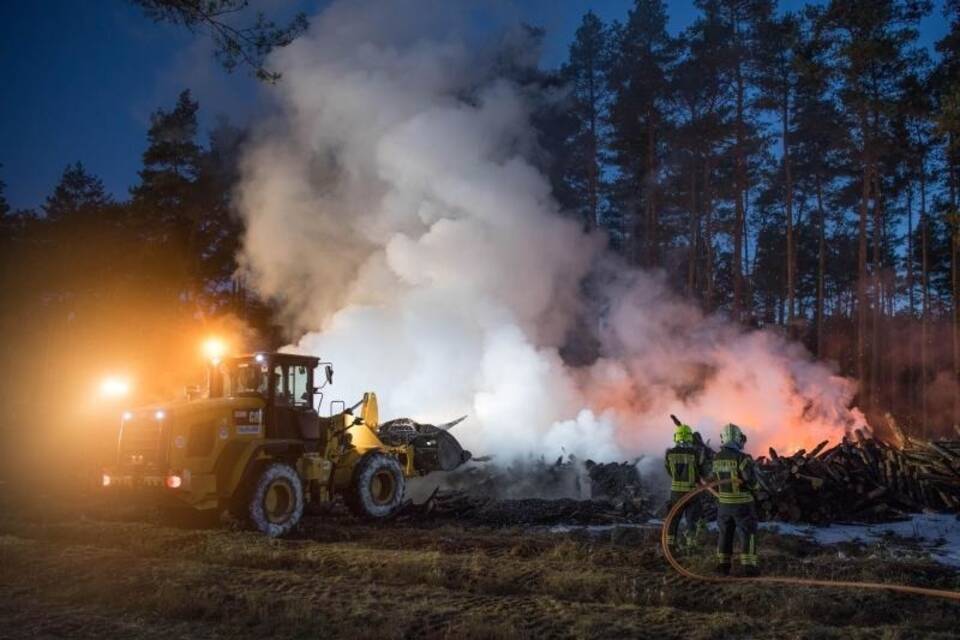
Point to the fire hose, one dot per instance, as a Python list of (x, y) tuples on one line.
[(677, 508)]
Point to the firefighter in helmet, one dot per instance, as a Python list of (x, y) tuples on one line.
[(686, 464), (736, 511)]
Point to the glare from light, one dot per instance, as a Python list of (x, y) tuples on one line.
[(160, 414), (105, 480), (114, 387), (127, 415), (259, 357), (174, 482), (214, 349)]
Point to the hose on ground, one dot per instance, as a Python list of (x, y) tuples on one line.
[(677, 508)]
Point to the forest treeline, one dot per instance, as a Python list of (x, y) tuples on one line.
[(796, 171)]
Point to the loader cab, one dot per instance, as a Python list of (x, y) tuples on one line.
[(285, 383)]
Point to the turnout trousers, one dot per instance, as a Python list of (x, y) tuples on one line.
[(738, 520), (691, 515)]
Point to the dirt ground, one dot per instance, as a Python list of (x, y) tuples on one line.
[(82, 572)]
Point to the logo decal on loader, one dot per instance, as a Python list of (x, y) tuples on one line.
[(248, 429), (245, 416)]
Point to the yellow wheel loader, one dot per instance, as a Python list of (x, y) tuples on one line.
[(255, 444)]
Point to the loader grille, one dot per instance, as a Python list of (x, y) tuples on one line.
[(141, 442)]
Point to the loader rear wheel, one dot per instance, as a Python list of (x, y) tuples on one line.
[(275, 505), (378, 485)]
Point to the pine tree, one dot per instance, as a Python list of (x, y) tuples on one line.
[(585, 72), (77, 192), (220, 229), (776, 75), (948, 121), (167, 201), (743, 20), (639, 83), (871, 42), (699, 89), (820, 139), (234, 45)]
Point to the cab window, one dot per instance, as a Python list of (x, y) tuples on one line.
[(280, 394), (297, 385), (290, 385)]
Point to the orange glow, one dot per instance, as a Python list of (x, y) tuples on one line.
[(114, 387), (772, 416), (214, 348)]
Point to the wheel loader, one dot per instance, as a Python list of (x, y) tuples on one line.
[(254, 444)]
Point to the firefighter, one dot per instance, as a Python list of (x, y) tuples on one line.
[(736, 511), (686, 465)]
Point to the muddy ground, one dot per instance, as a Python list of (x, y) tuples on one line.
[(96, 571)]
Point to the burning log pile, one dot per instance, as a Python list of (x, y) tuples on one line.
[(863, 480), (537, 492)]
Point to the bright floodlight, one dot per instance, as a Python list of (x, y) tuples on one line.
[(114, 387), (214, 348)]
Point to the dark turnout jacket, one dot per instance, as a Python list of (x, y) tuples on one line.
[(686, 464), (737, 474)]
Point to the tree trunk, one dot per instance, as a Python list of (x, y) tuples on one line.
[(911, 283), (877, 296), (738, 225), (862, 308), (955, 270), (788, 183), (910, 277), (821, 263), (653, 241), (708, 220), (739, 179), (925, 298), (694, 229), (593, 171)]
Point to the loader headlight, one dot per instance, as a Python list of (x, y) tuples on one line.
[(114, 387), (214, 349), (127, 416), (105, 480), (160, 414), (173, 481)]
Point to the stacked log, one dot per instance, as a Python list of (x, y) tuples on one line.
[(861, 479)]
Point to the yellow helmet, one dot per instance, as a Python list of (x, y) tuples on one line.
[(683, 434), (732, 434)]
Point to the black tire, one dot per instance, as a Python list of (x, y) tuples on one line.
[(377, 489), (275, 503)]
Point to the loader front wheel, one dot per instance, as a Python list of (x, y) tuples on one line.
[(276, 502), (378, 486)]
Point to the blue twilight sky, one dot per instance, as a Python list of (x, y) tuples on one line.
[(80, 80)]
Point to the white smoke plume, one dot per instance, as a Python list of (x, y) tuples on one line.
[(392, 208)]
